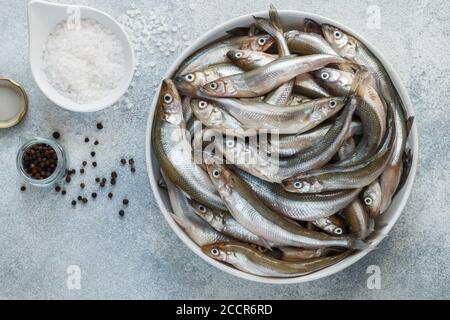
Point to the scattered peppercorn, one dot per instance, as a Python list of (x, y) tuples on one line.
[(84, 163), (114, 175), (113, 181), (94, 195), (58, 189), (68, 179), (64, 192), (97, 180), (102, 184), (80, 198), (92, 154), (82, 171), (40, 161), (123, 162), (23, 188), (74, 203), (94, 164), (96, 142), (133, 170), (126, 202), (86, 140), (110, 195), (131, 162), (82, 185), (121, 213), (56, 135), (85, 200), (99, 126)]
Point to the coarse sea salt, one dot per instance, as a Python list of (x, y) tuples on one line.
[(83, 63)]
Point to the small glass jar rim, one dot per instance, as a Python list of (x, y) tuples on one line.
[(59, 153)]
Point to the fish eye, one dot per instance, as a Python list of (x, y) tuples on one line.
[(190, 77), (215, 252), (238, 55), (338, 34), (216, 174), (202, 209), (338, 231), (333, 103), (230, 143), (213, 85), (325, 76), (202, 104), (261, 41), (168, 98), (368, 201), (298, 185)]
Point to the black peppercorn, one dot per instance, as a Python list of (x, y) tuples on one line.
[(85, 200), (94, 195), (114, 175), (56, 135), (58, 189), (131, 162), (74, 203), (99, 126), (82, 185), (133, 170), (113, 181), (123, 162), (84, 163), (80, 198), (110, 195), (94, 164), (23, 188), (92, 154), (82, 171), (68, 179), (96, 142), (97, 180), (64, 192), (86, 140), (126, 202), (121, 213)]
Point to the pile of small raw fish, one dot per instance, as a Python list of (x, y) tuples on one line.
[(340, 150)]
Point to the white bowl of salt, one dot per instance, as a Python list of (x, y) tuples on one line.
[(80, 57)]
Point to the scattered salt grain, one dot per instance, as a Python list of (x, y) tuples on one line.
[(85, 63)]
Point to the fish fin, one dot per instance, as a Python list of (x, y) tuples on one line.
[(239, 31), (409, 125), (253, 30), (266, 244), (162, 184), (407, 165), (311, 26), (360, 78), (275, 18)]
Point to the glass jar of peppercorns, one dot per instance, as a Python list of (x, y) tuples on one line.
[(42, 162)]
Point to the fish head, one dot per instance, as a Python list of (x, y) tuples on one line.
[(372, 198), (327, 107), (190, 83), (260, 42), (202, 211), (303, 184), (216, 251), (218, 88), (170, 106), (220, 176), (240, 57), (337, 80), (343, 43), (208, 112)]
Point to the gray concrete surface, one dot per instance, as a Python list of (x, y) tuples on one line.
[(140, 257)]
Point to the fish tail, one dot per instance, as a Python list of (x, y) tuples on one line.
[(360, 245), (275, 18)]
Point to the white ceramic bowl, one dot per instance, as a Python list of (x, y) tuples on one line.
[(43, 17), (291, 20)]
